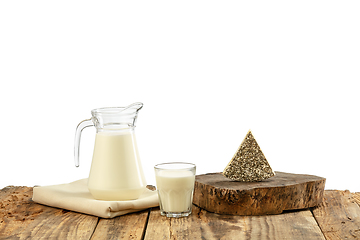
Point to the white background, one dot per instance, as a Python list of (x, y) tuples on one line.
[(206, 71)]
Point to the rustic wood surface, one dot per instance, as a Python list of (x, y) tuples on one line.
[(131, 225), (21, 218), (337, 217), (206, 225), (284, 191)]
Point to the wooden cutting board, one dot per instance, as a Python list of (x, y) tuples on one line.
[(285, 191)]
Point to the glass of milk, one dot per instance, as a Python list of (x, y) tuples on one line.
[(175, 187)]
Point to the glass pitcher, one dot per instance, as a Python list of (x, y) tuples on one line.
[(116, 173)]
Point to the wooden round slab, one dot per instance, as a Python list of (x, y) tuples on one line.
[(285, 191)]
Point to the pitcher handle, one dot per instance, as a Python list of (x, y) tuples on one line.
[(79, 128)]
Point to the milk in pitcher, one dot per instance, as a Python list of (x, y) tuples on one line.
[(116, 153)]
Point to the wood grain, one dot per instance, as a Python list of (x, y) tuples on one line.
[(285, 191), (288, 225), (338, 216), (21, 218), (158, 226), (206, 225), (130, 226), (356, 197)]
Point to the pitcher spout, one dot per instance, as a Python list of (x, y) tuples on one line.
[(116, 117), (133, 107)]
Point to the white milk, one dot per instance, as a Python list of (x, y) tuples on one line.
[(175, 188), (116, 172)]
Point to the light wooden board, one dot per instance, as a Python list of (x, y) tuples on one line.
[(339, 215), (356, 197), (21, 218), (205, 225), (129, 226), (158, 227)]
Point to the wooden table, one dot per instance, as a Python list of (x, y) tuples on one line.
[(338, 217)]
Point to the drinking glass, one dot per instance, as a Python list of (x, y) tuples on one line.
[(175, 187)]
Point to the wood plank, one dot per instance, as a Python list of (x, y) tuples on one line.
[(202, 224), (22, 218), (130, 226), (158, 226), (356, 197), (288, 225), (338, 216), (284, 191)]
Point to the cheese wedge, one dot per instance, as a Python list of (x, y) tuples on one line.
[(248, 163)]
